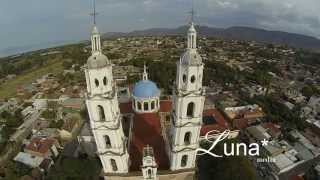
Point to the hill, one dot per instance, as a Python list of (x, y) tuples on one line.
[(237, 33)]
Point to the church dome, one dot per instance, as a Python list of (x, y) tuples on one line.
[(97, 60), (191, 57), (146, 89)]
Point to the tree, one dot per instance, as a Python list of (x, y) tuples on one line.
[(58, 124), (73, 168), (12, 120), (309, 91), (67, 64), (226, 168)]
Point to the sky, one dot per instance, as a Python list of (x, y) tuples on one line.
[(37, 23)]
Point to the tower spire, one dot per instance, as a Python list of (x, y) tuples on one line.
[(192, 33), (192, 12), (145, 74), (95, 35), (94, 13)]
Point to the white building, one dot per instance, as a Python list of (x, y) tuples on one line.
[(188, 103), (131, 135), (102, 104)]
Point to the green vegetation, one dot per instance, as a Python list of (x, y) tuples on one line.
[(49, 114), (71, 79), (308, 57), (310, 90), (267, 54), (74, 168), (278, 112), (13, 120), (5, 133), (74, 54), (32, 66), (226, 168), (8, 89), (11, 171), (161, 72), (223, 74), (22, 64), (56, 124)]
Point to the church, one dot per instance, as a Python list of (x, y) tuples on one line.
[(147, 138)]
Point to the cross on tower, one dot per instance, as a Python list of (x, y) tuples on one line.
[(145, 74), (192, 12), (94, 13)]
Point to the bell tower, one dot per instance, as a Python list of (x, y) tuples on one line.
[(103, 109), (149, 165), (188, 103)]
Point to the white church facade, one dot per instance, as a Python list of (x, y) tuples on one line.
[(132, 140)]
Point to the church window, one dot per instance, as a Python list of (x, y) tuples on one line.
[(139, 106), (187, 138), (108, 141), (193, 79), (96, 81), (184, 78), (152, 105), (114, 165), (105, 81), (95, 43), (149, 173), (190, 109), (184, 160), (191, 41), (102, 115), (146, 106)]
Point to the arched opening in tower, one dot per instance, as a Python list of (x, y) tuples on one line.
[(190, 109), (102, 115)]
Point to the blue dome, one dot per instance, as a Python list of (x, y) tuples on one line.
[(146, 89)]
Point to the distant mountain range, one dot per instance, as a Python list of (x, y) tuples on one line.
[(237, 33)]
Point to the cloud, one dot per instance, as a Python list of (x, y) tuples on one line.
[(287, 15), (36, 21), (227, 4)]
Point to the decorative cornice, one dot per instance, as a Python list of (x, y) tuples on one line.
[(182, 93), (117, 126), (184, 149), (109, 95), (124, 152), (184, 124)]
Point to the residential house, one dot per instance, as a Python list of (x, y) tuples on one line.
[(43, 147), (243, 116)]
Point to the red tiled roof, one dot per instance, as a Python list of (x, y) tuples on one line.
[(147, 131), (165, 106), (296, 178), (205, 129), (40, 145), (240, 123), (126, 108), (220, 125), (217, 116)]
